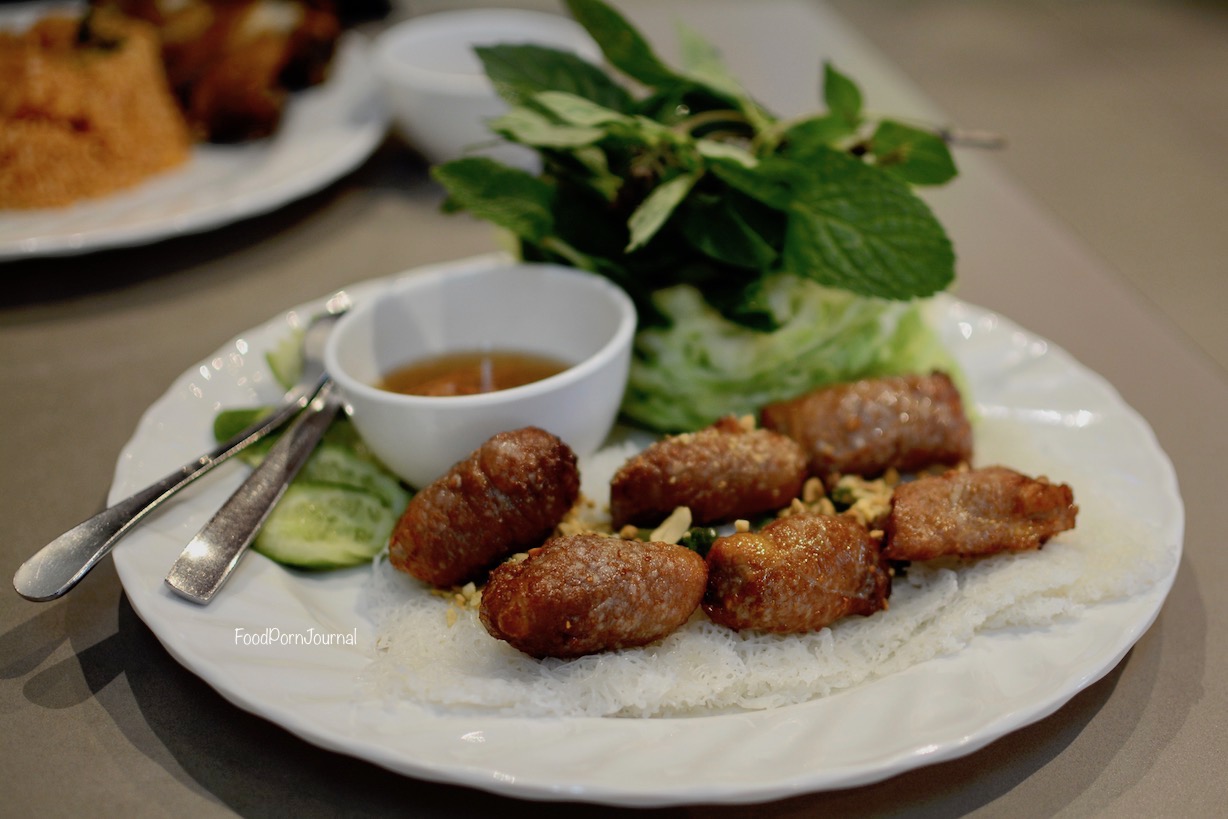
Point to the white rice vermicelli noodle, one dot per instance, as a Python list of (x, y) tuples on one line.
[(432, 652)]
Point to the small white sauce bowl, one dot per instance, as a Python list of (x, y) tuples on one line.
[(440, 97), (488, 304)]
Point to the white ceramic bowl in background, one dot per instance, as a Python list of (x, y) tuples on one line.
[(568, 314), (434, 84)]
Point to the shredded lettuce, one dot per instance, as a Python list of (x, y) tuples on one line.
[(701, 366)]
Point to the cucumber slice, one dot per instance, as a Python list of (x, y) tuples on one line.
[(339, 466), (324, 526), (229, 423), (341, 434), (286, 359), (341, 507), (339, 511)]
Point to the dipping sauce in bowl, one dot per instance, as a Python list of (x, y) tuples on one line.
[(583, 323), (470, 373)]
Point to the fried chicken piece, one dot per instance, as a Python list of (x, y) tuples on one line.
[(969, 513), (239, 97), (506, 497), (722, 472), (583, 594), (799, 573), (232, 63), (866, 427)]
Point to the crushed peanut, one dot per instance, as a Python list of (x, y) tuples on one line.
[(820, 505), (585, 517), (468, 596), (868, 500), (813, 490)]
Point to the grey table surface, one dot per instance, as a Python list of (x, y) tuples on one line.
[(99, 719)]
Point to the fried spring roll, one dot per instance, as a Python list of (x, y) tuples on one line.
[(504, 498), (722, 472), (969, 513), (867, 427), (583, 594), (799, 573)]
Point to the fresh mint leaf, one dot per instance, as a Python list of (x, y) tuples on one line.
[(841, 94), (652, 213), (506, 196), (622, 45), (850, 225), (520, 71), (917, 156), (853, 227)]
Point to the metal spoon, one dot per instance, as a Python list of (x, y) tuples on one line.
[(61, 564), (210, 557)]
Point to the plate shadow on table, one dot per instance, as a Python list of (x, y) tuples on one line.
[(253, 766), (61, 279)]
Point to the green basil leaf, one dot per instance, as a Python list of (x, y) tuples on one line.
[(702, 63), (528, 127), (594, 160), (575, 110), (822, 131), (855, 227), (767, 181), (506, 196), (582, 219), (917, 156), (841, 94), (718, 227), (622, 45), (652, 213), (711, 149), (520, 71)]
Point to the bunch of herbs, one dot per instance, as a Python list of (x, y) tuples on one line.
[(658, 177)]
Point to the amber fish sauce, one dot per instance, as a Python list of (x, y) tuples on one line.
[(470, 373)]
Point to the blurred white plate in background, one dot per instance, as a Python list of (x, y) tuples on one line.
[(327, 131)]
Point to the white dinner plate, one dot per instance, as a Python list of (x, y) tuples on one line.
[(326, 132), (939, 709)]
